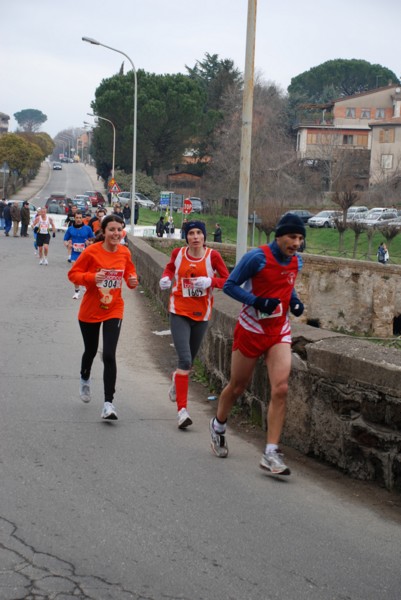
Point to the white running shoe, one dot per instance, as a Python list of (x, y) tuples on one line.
[(184, 420), (85, 390), (76, 296), (41, 262), (45, 261), (109, 412), (218, 441), (172, 393), (273, 463)]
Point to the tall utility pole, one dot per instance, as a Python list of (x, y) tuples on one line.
[(246, 135)]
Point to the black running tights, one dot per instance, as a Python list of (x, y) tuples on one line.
[(90, 333)]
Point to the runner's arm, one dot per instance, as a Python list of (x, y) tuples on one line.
[(250, 264), (219, 267)]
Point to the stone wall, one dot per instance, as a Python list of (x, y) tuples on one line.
[(344, 402), (350, 295)]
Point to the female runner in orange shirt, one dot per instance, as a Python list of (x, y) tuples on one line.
[(101, 268), (194, 268)]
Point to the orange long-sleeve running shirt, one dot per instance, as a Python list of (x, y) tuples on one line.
[(102, 301)]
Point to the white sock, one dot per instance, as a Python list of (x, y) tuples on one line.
[(219, 427), (271, 448)]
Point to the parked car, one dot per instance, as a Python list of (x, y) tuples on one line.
[(378, 219), (57, 166), (324, 218), (355, 213), (57, 199), (144, 201), (140, 199), (396, 223), (82, 201), (96, 198), (304, 215), (197, 206)]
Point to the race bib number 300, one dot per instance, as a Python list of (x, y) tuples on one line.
[(188, 291), (113, 279)]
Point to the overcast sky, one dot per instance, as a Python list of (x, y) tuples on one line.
[(45, 65)]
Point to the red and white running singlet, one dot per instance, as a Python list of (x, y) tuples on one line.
[(273, 281), (184, 299)]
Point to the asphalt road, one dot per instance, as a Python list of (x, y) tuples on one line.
[(137, 509)]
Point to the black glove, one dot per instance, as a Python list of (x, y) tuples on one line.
[(296, 307), (266, 305), (54, 234)]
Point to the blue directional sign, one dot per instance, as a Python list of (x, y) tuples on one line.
[(164, 198)]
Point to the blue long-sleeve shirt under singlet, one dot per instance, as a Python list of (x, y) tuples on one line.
[(250, 264)]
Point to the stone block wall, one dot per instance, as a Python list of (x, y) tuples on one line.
[(344, 402)]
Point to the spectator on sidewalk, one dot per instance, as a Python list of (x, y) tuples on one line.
[(7, 218), (217, 236), (3, 204), (127, 214), (25, 219), (160, 227), (15, 217)]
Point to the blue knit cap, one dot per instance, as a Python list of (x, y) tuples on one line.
[(195, 225), (290, 223)]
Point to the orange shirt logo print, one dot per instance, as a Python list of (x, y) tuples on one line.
[(112, 281)]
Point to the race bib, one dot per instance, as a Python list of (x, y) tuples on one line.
[(78, 247), (113, 279), (277, 313), (188, 291), (43, 229)]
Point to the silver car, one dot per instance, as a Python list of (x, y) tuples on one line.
[(324, 218)]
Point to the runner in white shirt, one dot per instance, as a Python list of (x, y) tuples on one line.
[(43, 223)]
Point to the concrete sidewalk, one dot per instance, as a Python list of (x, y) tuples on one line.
[(35, 186)]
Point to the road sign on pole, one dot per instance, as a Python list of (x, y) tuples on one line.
[(115, 189), (187, 208)]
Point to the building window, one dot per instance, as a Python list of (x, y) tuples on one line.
[(362, 140), (350, 113), (386, 136), (365, 113), (379, 113), (387, 161), (348, 140)]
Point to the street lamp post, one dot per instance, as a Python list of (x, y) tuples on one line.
[(96, 43), (246, 134), (88, 127), (114, 139)]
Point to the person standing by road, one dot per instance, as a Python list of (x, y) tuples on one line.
[(196, 271), (7, 219), (183, 228), (160, 227), (101, 268), (382, 254), (15, 217), (76, 238), (264, 282), (25, 219), (44, 224), (2, 207), (170, 228), (127, 214), (217, 236)]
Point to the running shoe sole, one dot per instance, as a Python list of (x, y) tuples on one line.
[(286, 471)]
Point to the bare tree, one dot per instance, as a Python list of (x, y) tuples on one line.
[(357, 227)]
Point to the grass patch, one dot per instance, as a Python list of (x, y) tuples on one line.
[(318, 240)]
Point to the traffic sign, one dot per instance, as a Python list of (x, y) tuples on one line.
[(115, 189), (187, 209)]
